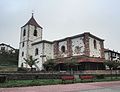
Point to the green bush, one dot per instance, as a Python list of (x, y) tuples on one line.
[(3, 78), (22, 69), (100, 76), (8, 59)]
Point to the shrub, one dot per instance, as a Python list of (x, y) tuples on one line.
[(22, 69), (100, 76), (3, 78)]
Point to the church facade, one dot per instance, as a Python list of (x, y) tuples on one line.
[(86, 47)]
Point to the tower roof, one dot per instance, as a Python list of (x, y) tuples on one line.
[(33, 22)]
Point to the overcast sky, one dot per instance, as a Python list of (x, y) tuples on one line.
[(62, 18)]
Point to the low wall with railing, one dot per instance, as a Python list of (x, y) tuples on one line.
[(53, 75), (98, 72)]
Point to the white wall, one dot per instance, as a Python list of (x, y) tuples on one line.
[(107, 56), (7, 48), (40, 52), (47, 50), (94, 52), (78, 42), (28, 39), (24, 38), (23, 49), (39, 34)]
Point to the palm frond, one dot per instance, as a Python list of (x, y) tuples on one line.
[(30, 61)]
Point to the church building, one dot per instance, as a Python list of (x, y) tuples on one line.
[(87, 48)]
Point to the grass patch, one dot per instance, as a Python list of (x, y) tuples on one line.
[(39, 82), (23, 83)]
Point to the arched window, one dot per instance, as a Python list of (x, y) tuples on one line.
[(22, 54), (95, 44), (22, 65), (24, 32), (63, 49), (36, 51), (23, 44), (35, 32)]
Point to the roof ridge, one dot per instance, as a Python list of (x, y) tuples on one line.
[(7, 45)]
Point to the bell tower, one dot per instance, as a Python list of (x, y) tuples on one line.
[(31, 32)]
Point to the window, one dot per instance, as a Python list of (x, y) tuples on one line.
[(77, 49), (3, 48), (22, 65), (63, 49), (35, 32), (24, 32), (36, 51), (23, 44), (22, 54), (95, 44)]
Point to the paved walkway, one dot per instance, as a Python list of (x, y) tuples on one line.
[(78, 87)]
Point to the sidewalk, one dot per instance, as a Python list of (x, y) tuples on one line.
[(78, 87)]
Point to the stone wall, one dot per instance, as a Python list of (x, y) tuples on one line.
[(53, 75), (69, 49), (86, 42)]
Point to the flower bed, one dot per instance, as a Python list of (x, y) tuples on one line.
[(67, 77), (86, 77)]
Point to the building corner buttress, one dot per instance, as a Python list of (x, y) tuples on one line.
[(69, 47), (102, 49), (55, 49), (86, 43)]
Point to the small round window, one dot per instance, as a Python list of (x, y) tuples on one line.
[(63, 49)]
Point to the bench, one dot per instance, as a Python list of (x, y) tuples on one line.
[(67, 77), (86, 77)]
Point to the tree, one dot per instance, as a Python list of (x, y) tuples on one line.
[(30, 61), (9, 59), (72, 63), (116, 64), (49, 65), (110, 64)]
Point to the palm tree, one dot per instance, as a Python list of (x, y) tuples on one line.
[(30, 61)]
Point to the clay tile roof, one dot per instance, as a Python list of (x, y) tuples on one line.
[(32, 21)]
